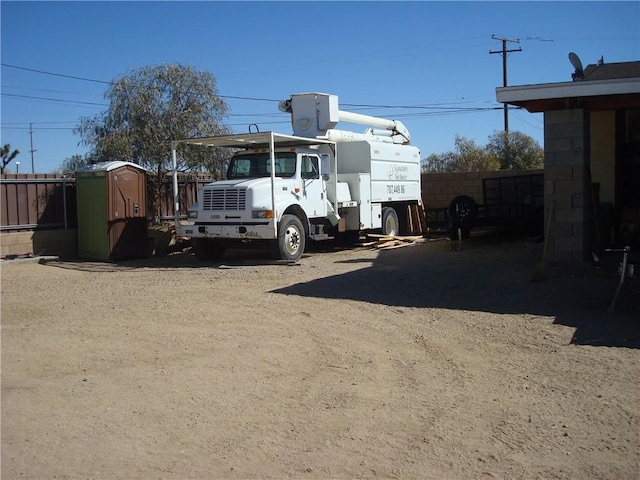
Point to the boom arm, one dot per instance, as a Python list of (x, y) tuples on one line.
[(316, 114), (394, 127)]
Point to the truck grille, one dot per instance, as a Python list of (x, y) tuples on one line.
[(224, 199)]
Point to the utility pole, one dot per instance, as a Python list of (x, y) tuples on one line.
[(504, 52), (33, 170)]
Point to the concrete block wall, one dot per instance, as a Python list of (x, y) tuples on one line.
[(438, 189), (566, 188), (63, 243)]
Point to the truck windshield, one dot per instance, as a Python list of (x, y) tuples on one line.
[(253, 165)]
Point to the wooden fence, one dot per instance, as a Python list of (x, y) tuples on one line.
[(48, 201)]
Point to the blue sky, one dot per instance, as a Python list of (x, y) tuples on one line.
[(427, 63)]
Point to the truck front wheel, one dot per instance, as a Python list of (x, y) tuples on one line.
[(390, 223), (291, 239), (206, 249)]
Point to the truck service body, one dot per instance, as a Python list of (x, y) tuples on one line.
[(318, 183)]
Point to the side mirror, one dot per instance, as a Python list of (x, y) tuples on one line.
[(325, 164)]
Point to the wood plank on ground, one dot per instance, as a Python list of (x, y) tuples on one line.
[(380, 241)]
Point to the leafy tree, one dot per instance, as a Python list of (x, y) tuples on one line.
[(516, 151), (502, 152), (150, 107), (473, 158), (74, 162), (7, 156), (437, 163), (467, 157)]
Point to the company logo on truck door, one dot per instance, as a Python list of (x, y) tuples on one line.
[(399, 172)]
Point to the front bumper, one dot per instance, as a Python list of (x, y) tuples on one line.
[(245, 231)]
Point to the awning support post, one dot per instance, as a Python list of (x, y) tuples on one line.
[(176, 196)]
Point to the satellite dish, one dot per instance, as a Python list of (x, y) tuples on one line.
[(577, 64)]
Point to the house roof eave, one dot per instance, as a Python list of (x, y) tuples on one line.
[(550, 96)]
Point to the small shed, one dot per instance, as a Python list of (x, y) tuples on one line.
[(112, 212)]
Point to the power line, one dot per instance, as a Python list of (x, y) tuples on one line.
[(249, 98), (30, 97), (37, 129), (36, 123), (441, 107), (234, 97), (43, 72), (51, 91), (423, 110), (55, 74)]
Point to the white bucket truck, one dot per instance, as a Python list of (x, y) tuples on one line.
[(318, 183)]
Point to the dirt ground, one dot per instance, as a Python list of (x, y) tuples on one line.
[(422, 362)]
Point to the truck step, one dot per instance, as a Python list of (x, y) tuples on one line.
[(321, 236)]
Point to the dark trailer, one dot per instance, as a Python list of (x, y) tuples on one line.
[(515, 201)]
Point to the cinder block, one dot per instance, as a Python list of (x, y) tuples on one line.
[(569, 187), (568, 159), (577, 229), (559, 117), (8, 239), (569, 215), (549, 189), (563, 130), (579, 172), (560, 229), (568, 244), (563, 144), (561, 202), (558, 257)]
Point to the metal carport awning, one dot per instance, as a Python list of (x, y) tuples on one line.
[(253, 140)]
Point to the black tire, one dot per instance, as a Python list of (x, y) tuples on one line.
[(390, 223), (207, 249), (463, 213), (291, 239)]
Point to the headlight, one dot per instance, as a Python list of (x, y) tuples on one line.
[(262, 214), (192, 211)]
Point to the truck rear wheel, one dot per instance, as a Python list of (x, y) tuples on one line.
[(206, 249), (291, 239), (390, 223)]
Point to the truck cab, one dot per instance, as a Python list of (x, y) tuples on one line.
[(261, 193)]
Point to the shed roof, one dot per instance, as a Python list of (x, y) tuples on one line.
[(107, 166)]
